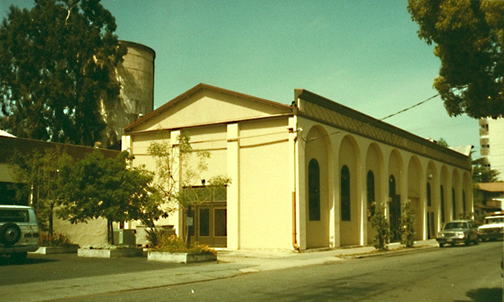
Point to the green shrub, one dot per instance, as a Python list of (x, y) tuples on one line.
[(56, 240), (173, 244), (407, 228), (381, 226)]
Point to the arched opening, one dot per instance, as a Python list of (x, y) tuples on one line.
[(317, 189), (394, 210)]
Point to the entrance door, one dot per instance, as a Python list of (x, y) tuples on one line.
[(209, 224)]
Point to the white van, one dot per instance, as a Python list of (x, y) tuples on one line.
[(19, 233)]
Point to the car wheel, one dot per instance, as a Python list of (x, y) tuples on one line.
[(441, 245), (476, 241), (10, 233), (453, 244), (467, 242)]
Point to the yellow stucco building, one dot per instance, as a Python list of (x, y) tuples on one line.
[(303, 176)]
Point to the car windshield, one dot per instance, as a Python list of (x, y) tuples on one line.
[(455, 225), (494, 220)]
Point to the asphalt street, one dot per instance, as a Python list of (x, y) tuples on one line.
[(448, 274)]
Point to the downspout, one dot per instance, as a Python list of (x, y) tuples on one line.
[(295, 131), (294, 212)]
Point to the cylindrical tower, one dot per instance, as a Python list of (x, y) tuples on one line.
[(136, 76)]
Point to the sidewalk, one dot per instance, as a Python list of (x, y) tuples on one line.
[(262, 260), (229, 264)]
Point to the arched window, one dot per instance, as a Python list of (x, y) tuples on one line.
[(454, 206), (464, 202), (345, 194), (392, 186), (370, 193), (429, 197), (314, 190), (442, 204)]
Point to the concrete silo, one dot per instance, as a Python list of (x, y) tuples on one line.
[(136, 76)]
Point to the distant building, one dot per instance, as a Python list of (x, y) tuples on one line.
[(93, 232), (491, 133), (491, 196)]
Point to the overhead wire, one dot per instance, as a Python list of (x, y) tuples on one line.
[(388, 116), (409, 108)]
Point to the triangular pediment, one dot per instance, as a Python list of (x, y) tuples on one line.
[(206, 105)]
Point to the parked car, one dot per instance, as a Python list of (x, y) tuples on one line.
[(19, 233), (492, 228), (458, 231)]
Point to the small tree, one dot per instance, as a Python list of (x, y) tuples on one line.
[(381, 226), (407, 228), (39, 171), (105, 187), (176, 182)]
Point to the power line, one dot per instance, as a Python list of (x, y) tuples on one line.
[(391, 115), (404, 110)]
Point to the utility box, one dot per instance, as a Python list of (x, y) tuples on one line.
[(124, 237)]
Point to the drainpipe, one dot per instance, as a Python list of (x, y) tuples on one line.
[(294, 223), (295, 131)]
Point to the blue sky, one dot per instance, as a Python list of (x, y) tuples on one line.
[(364, 54)]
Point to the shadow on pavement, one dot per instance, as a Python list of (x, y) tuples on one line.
[(485, 295), (6, 261)]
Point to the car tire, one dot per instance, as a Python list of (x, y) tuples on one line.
[(441, 245), (10, 233), (467, 242)]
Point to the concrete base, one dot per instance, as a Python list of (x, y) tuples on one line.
[(46, 250), (180, 257), (110, 253)]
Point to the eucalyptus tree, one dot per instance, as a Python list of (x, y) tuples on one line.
[(57, 64), (469, 37)]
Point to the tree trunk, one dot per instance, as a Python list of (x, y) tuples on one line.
[(110, 231), (51, 224)]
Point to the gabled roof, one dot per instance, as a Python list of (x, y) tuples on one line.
[(197, 89)]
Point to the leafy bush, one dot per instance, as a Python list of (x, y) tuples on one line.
[(173, 244), (153, 234), (56, 240), (408, 226), (381, 226)]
